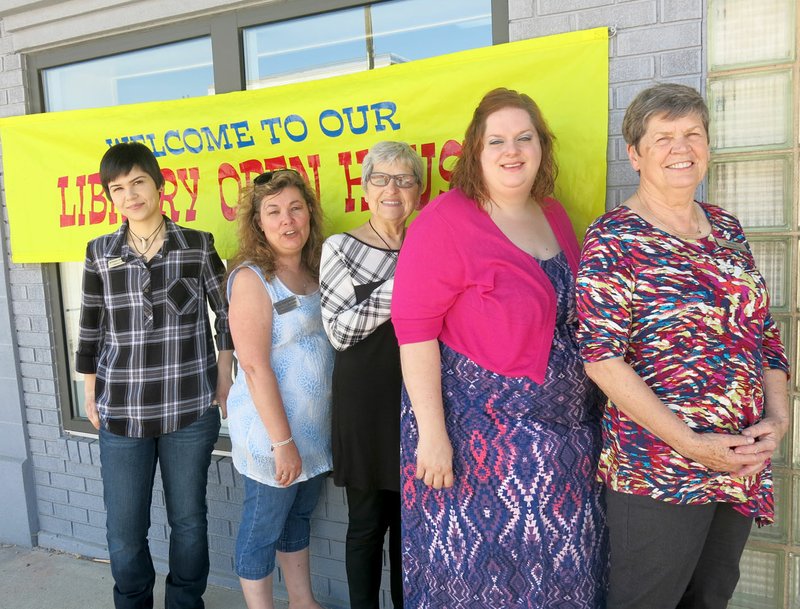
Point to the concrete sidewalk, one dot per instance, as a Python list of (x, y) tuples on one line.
[(34, 578)]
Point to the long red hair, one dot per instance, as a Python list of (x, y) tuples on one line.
[(468, 173)]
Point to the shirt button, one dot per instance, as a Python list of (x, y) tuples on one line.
[(147, 290)]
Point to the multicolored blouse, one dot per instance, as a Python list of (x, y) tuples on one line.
[(692, 319)]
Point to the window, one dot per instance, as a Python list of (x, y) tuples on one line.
[(201, 57), (362, 38), (181, 69), (752, 91), (173, 71)]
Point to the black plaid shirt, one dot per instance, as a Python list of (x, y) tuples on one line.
[(145, 330)]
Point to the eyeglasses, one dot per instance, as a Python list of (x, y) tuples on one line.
[(266, 177), (403, 180)]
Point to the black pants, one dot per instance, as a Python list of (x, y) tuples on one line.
[(668, 556), (371, 513)]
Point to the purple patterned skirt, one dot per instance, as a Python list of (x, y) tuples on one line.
[(523, 525)]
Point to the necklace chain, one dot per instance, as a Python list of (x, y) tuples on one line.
[(388, 247), (285, 270), (146, 243), (693, 235)]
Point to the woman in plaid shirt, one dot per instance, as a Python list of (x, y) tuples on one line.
[(357, 279), (152, 378)]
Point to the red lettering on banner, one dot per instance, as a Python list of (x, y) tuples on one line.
[(313, 162), (226, 171), (451, 148), (80, 182), (168, 194), (345, 160), (192, 173), (98, 195), (279, 162), (93, 207), (275, 162), (175, 179), (251, 168), (65, 219), (428, 153)]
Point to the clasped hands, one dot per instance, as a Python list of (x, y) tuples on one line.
[(743, 454)]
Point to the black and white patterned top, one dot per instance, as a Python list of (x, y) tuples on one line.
[(356, 280), (145, 331)]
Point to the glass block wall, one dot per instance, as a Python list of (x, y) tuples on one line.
[(753, 92)]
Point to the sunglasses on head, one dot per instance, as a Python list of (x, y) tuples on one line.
[(266, 177)]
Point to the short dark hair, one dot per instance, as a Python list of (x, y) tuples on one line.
[(667, 99), (121, 158)]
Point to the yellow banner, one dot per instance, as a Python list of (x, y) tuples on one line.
[(210, 147)]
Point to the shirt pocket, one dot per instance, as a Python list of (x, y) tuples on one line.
[(183, 296)]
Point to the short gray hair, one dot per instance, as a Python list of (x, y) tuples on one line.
[(391, 152), (670, 100)]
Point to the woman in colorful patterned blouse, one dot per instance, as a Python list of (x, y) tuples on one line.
[(676, 329), (356, 280)]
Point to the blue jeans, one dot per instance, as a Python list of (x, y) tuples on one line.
[(128, 467), (274, 518)]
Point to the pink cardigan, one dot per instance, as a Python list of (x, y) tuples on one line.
[(460, 280)]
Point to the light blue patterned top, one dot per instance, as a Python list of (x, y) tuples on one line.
[(302, 359)]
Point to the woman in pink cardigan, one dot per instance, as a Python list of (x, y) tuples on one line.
[(500, 425)]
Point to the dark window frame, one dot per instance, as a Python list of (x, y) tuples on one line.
[(225, 30)]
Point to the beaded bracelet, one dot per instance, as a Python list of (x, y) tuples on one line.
[(289, 440)]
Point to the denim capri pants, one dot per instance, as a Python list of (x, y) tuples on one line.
[(273, 519)]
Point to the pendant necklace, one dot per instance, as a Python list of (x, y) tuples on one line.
[(388, 247), (285, 271), (145, 241), (692, 236)]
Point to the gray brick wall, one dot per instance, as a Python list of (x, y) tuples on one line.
[(655, 40), (17, 470)]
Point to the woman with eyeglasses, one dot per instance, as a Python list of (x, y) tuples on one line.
[(500, 424), (356, 280), (676, 328), (279, 406)]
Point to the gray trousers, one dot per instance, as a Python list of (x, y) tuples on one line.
[(668, 556)]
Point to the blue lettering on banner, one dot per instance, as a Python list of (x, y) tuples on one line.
[(192, 133), (357, 120), (271, 122), (194, 140), (336, 132), (216, 143), (333, 123), (384, 111), (243, 137), (291, 120), (172, 134), (157, 152), (348, 112)]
